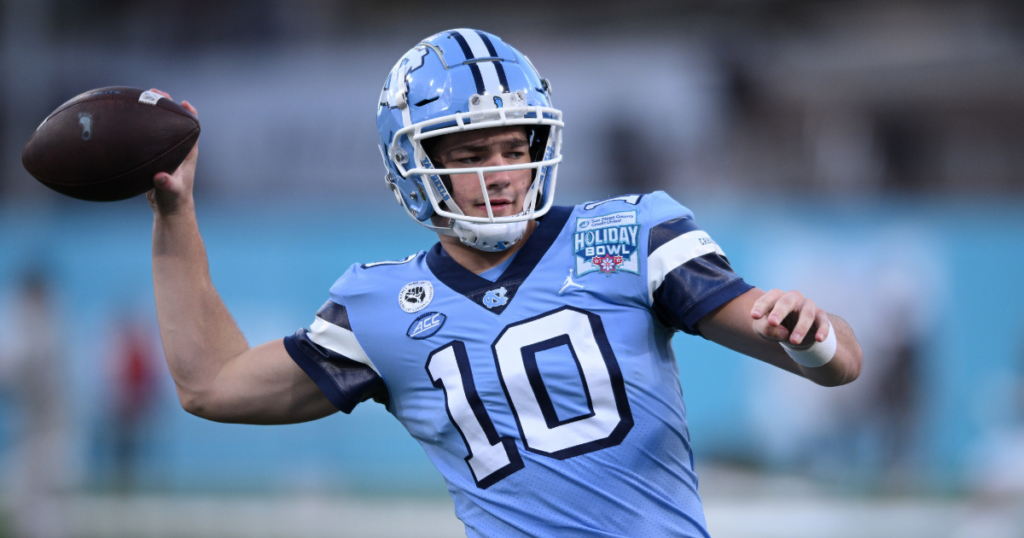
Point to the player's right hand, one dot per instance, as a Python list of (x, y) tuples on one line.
[(789, 317), (175, 190)]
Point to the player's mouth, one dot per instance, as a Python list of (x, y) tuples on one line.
[(501, 207)]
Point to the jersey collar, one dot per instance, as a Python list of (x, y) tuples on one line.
[(476, 288)]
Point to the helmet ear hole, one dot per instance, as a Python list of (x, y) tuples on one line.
[(428, 145), (538, 141), (538, 137)]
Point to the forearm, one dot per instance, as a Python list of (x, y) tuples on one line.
[(199, 334), (730, 326)]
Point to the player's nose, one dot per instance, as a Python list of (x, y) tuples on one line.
[(500, 176), (497, 180)]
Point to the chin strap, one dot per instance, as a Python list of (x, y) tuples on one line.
[(494, 237), (489, 237)]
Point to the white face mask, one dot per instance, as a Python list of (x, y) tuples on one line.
[(489, 233)]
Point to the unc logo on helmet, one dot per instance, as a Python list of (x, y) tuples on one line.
[(396, 87), (462, 80)]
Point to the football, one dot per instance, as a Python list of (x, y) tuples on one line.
[(107, 144)]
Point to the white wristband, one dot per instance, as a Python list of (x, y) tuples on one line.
[(817, 355)]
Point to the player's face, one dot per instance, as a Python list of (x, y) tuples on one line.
[(497, 146)]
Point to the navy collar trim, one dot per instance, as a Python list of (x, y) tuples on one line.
[(488, 294)]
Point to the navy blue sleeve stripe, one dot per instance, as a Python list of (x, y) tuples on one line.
[(695, 288), (669, 230), (344, 382), (335, 314)]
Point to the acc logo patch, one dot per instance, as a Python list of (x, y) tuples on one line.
[(426, 325), (415, 296), (495, 298), (607, 243)]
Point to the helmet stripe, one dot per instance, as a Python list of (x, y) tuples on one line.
[(466, 51), (493, 53), (487, 43), (492, 83), (479, 48), (478, 78), (501, 76)]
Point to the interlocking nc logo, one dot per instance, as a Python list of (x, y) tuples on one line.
[(495, 298)]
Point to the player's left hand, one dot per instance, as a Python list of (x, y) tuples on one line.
[(789, 317)]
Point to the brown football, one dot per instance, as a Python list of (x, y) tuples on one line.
[(107, 144)]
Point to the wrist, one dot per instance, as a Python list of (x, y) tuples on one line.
[(816, 354), (166, 207)]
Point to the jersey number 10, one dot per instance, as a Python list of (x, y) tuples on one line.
[(492, 457)]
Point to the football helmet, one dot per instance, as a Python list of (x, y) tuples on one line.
[(462, 80)]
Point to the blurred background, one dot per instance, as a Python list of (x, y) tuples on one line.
[(867, 153)]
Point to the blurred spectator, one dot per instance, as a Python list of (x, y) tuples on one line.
[(634, 164), (864, 435), (30, 370), (996, 465), (134, 394)]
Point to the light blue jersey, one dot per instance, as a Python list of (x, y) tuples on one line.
[(549, 398)]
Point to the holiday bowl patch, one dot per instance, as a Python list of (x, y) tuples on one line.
[(607, 243)]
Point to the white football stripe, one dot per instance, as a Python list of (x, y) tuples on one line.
[(339, 340), (475, 43), (487, 70), (675, 253), (490, 75)]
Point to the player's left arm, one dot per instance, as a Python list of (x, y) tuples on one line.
[(755, 322)]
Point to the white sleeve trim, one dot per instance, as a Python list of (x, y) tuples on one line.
[(339, 340), (676, 252)]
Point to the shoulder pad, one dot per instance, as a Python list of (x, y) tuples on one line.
[(406, 259), (629, 199), (653, 208)]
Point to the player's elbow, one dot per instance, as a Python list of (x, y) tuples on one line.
[(194, 402), (190, 401)]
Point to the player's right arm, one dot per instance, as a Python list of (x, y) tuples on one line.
[(217, 375)]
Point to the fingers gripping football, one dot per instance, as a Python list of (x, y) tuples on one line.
[(173, 189), (789, 317)]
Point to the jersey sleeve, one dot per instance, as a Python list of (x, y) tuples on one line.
[(688, 274), (331, 356)]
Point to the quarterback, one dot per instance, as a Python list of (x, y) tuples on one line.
[(528, 350)]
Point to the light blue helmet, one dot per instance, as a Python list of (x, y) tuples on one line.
[(461, 80)]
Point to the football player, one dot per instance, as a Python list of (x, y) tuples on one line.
[(529, 350)]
